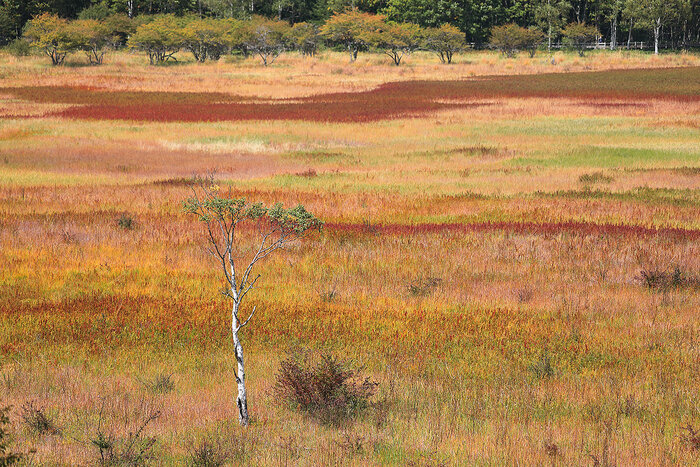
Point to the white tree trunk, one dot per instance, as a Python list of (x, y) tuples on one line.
[(629, 35), (657, 33), (242, 398), (613, 33)]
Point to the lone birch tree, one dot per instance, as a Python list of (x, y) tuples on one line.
[(274, 228)]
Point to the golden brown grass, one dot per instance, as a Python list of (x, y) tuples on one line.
[(535, 347)]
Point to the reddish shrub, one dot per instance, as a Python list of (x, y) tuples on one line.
[(329, 389)]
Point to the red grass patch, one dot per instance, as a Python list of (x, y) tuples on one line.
[(392, 100)]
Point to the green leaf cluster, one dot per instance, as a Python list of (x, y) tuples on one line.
[(231, 211)]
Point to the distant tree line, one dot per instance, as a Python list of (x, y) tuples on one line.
[(664, 23), (161, 36)]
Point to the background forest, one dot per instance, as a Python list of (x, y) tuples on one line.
[(617, 20)]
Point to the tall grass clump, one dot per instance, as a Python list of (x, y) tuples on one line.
[(219, 448), (161, 383)]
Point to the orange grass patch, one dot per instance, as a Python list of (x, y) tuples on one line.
[(548, 228)]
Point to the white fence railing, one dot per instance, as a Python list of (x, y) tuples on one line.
[(606, 45), (623, 45)]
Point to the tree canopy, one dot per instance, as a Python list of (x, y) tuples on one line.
[(210, 28)]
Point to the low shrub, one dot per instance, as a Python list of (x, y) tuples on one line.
[(659, 279), (7, 457), (542, 367), (19, 48), (595, 177), (691, 437), (309, 173), (207, 453), (126, 222), (330, 390), (37, 421), (133, 450), (423, 286), (226, 445)]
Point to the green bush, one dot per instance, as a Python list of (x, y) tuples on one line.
[(19, 48)]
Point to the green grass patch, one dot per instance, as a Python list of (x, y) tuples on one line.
[(611, 156), (676, 197)]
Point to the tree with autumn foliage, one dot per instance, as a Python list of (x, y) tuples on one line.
[(396, 40), (511, 38), (267, 39), (51, 35), (444, 41), (305, 38), (92, 37), (225, 219), (354, 30), (161, 38), (205, 38)]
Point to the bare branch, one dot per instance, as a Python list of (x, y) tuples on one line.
[(247, 289), (246, 321)]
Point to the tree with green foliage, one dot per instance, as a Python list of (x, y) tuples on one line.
[(611, 11), (128, 7), (237, 35), (578, 35), (51, 35), (92, 37), (161, 38), (353, 30), (511, 38), (98, 11), (226, 8), (11, 20), (272, 228), (340, 6), (305, 38), (551, 16), (444, 41), (654, 14), (426, 13), (205, 38), (396, 40), (532, 38), (120, 27), (479, 18)]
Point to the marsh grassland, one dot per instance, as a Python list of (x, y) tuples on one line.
[(511, 250)]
